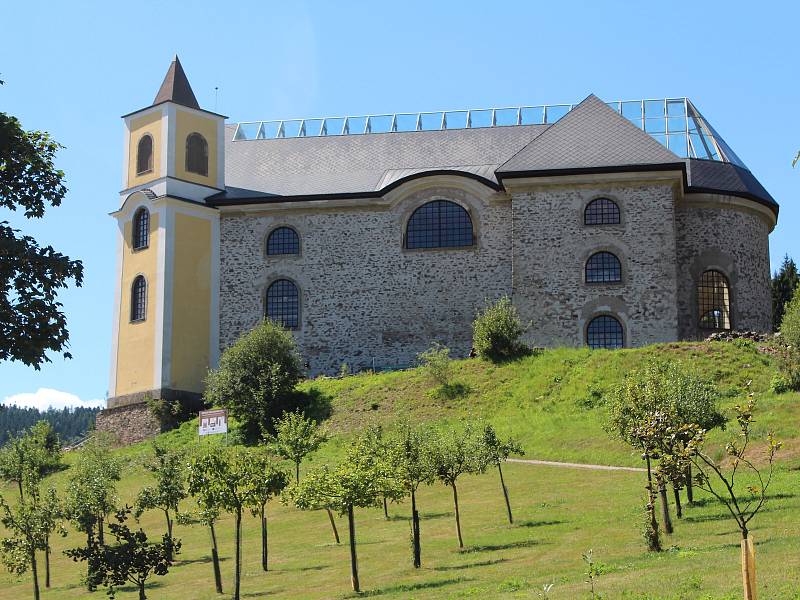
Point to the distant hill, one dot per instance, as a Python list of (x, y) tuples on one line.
[(70, 423)]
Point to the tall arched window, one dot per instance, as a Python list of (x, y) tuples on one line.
[(283, 240), (714, 301), (197, 154), (139, 299), (603, 267), (141, 229), (144, 154), (439, 224), (601, 211), (605, 332), (283, 303)]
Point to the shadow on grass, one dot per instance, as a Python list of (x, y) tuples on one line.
[(422, 516), (483, 563), (452, 391), (531, 523), (192, 561), (709, 501), (262, 594), (148, 587), (495, 547), (314, 403), (410, 587), (303, 569)]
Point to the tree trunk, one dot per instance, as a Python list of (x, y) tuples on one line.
[(238, 568), (653, 541), (415, 531), (505, 494), (169, 533), (689, 490), (333, 525), (662, 492), (215, 559), (141, 591), (264, 564), (385, 509), (100, 536), (89, 573), (351, 522), (47, 560), (458, 517), (297, 472), (678, 508), (35, 575)]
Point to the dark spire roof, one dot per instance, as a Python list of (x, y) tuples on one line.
[(175, 87)]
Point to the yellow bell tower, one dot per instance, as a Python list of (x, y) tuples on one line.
[(166, 319)]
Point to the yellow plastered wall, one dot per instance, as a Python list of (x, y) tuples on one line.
[(136, 341), (187, 123), (191, 303), (140, 126)]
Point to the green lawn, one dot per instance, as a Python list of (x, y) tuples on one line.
[(552, 402)]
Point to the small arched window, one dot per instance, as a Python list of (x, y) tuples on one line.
[(605, 332), (141, 229), (283, 240), (144, 154), (714, 301), (603, 267), (197, 154), (283, 303), (439, 224), (601, 211), (139, 299)]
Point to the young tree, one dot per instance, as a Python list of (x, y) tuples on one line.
[(360, 481), (265, 480), (496, 331), (51, 517), (131, 560), (784, 283), (27, 524), (208, 511), (496, 452), (167, 466), (456, 452), (720, 480), (31, 318), (37, 452), (91, 490), (256, 377), (409, 456), (295, 438), (221, 478)]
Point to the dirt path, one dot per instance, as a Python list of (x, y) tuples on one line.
[(551, 463)]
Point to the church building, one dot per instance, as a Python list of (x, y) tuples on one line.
[(609, 224)]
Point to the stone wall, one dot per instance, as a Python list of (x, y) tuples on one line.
[(734, 241), (552, 245), (130, 423), (363, 295)]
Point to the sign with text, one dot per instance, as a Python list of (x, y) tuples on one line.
[(213, 421)]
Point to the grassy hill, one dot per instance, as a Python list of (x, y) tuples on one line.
[(553, 403)]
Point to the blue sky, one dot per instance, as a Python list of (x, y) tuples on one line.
[(72, 68)]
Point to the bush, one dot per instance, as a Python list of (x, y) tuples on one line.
[(256, 377), (496, 331), (780, 384), (790, 326), (436, 364), (789, 360)]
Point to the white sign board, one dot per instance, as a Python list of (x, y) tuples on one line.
[(213, 421)]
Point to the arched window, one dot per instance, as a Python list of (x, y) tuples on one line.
[(144, 154), (714, 301), (603, 267), (605, 332), (601, 212), (197, 154), (139, 299), (141, 229), (439, 224), (283, 240), (283, 303)]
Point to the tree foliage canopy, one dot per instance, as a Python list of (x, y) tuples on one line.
[(31, 318), (496, 331), (256, 377), (295, 437), (784, 283)]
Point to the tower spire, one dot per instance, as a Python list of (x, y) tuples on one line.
[(175, 87)]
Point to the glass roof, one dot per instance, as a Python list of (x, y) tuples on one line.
[(674, 122)]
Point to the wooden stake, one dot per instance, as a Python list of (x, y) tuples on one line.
[(748, 569)]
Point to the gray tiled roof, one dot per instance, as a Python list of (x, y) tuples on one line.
[(589, 136), (366, 163)]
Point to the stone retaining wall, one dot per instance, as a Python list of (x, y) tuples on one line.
[(130, 423)]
